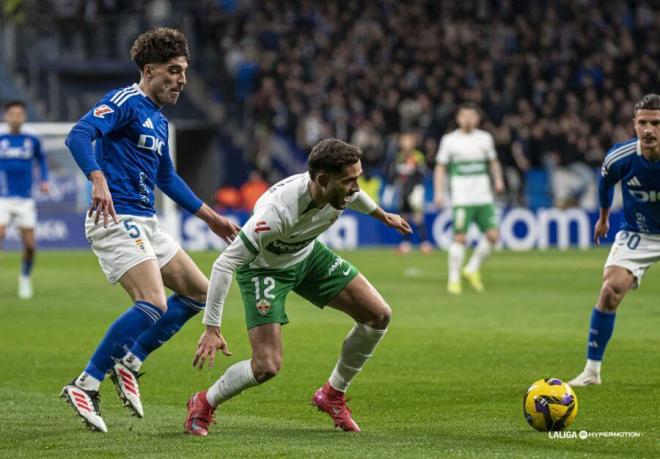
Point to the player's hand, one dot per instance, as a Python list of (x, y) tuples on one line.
[(224, 228), (397, 222), (499, 186), (101, 200), (43, 187), (220, 225), (210, 341), (600, 230), (438, 201)]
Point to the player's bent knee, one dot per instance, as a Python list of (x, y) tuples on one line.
[(380, 319), (612, 293), (157, 300), (266, 368)]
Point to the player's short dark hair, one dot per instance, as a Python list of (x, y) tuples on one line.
[(648, 102), (157, 46), (14, 103), (331, 156), (469, 105)]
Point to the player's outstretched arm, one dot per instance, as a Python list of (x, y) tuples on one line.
[(438, 185), (222, 274), (220, 225)]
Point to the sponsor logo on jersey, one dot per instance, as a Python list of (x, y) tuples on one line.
[(152, 143), (280, 247), (102, 110), (634, 182), (263, 306), (261, 227), (646, 196), (148, 124)]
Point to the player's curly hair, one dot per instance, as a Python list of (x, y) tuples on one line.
[(331, 156), (648, 102), (157, 46)]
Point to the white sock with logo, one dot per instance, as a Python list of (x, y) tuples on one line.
[(236, 379), (593, 366), (456, 257), (480, 254), (87, 382), (132, 362), (357, 348)]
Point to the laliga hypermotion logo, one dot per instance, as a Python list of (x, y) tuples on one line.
[(102, 110)]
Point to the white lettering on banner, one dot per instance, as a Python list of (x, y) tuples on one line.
[(512, 218), (520, 229), (563, 220), (46, 230), (343, 234)]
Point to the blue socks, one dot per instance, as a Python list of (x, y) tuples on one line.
[(179, 310), (122, 333), (26, 267), (600, 332)]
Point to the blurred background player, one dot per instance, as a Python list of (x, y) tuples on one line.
[(407, 174), (469, 154), (132, 157), (277, 252), (18, 152), (636, 164)]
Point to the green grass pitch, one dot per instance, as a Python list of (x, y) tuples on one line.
[(447, 380)]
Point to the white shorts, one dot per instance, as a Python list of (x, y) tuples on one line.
[(21, 211), (119, 247), (636, 252)]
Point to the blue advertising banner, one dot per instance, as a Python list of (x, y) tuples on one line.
[(520, 228)]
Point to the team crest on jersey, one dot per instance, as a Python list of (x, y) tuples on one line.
[(263, 306), (261, 227), (102, 110), (140, 243)]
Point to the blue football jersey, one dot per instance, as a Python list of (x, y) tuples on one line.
[(640, 186), (17, 155), (131, 148)]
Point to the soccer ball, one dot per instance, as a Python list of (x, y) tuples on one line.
[(550, 404)]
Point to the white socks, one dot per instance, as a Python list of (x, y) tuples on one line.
[(593, 366), (357, 348), (236, 379), (480, 254), (87, 382), (456, 257), (132, 362)]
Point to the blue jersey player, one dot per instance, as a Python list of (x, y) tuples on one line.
[(131, 157), (636, 164), (18, 152)]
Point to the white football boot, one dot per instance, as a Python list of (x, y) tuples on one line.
[(24, 287), (85, 403), (126, 383), (586, 378)]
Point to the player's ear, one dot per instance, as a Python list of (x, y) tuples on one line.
[(147, 71), (323, 179)]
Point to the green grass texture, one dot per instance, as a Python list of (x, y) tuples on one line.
[(447, 380)]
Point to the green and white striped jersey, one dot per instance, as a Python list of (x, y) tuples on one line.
[(467, 157)]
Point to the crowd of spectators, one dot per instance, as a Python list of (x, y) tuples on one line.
[(557, 80)]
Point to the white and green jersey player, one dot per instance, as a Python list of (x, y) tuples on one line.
[(278, 251), (468, 155)]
